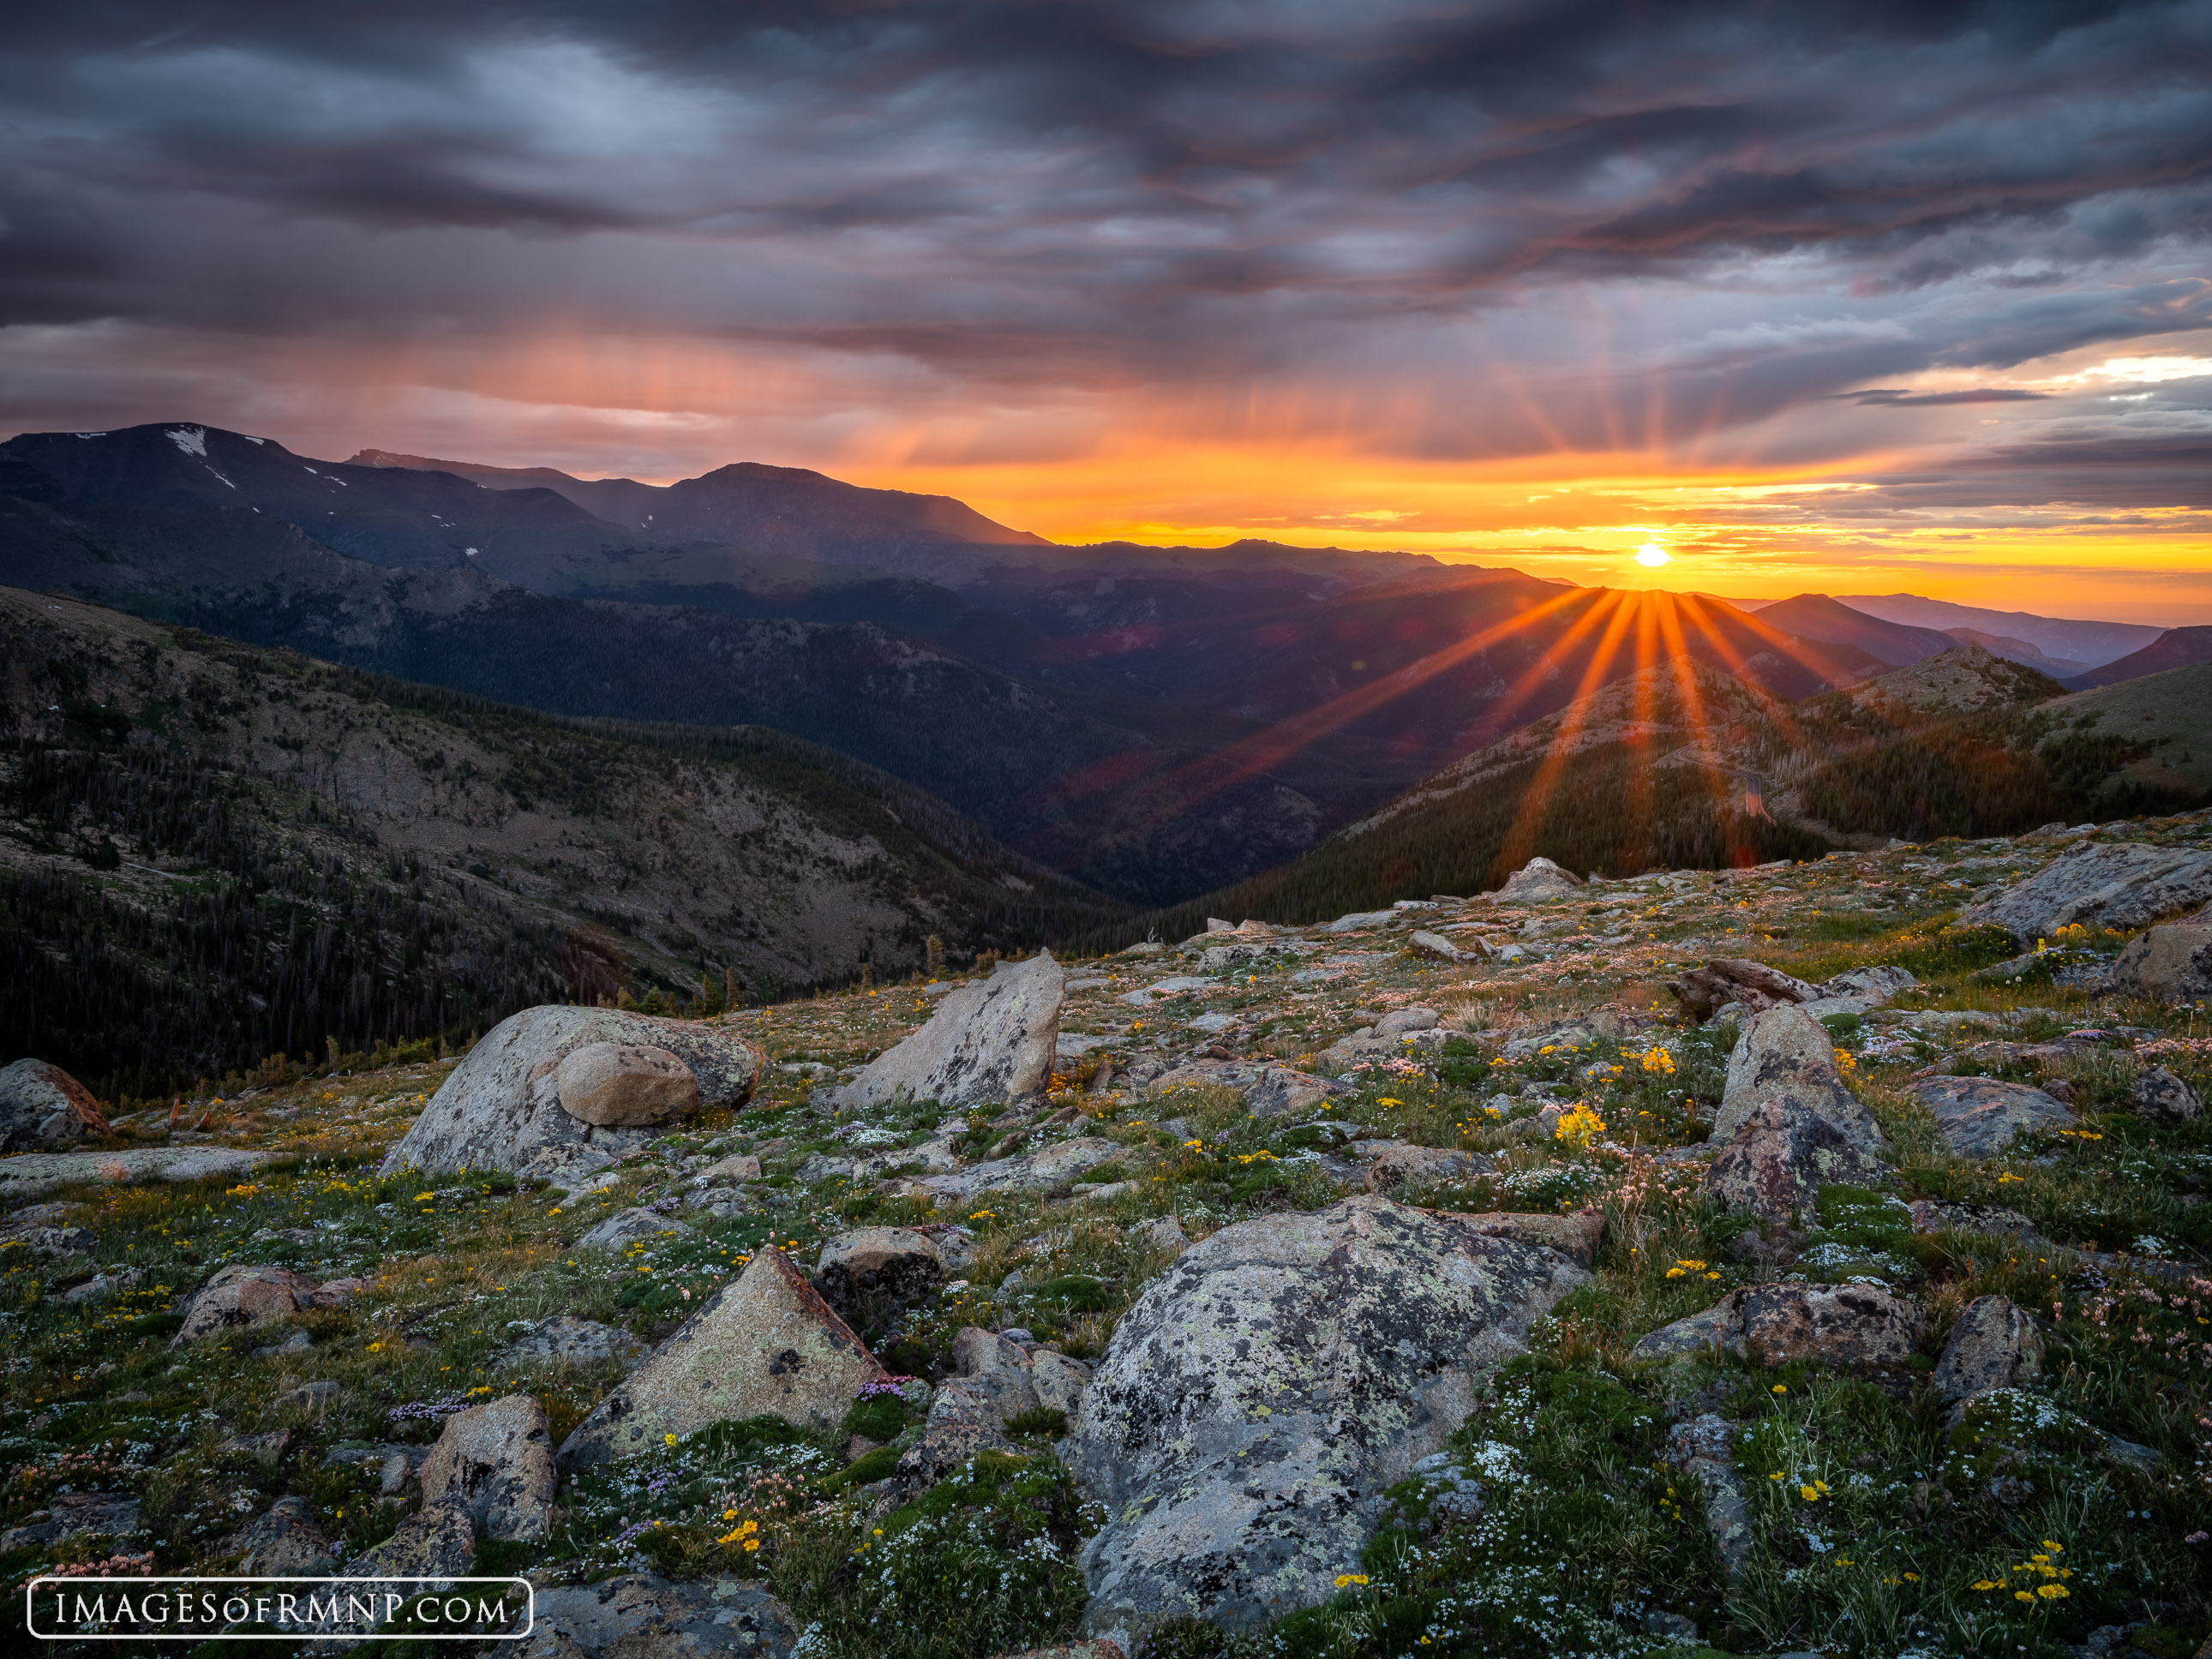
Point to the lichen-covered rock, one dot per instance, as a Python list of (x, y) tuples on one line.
[(435, 1542), (969, 1412), (43, 1109), (1058, 1381), (1850, 1327), (1980, 1116), (1720, 1326), (988, 1043), (242, 1294), (33, 1174), (284, 1542), (497, 1460), (1993, 1346), (1874, 985), (501, 1107), (1254, 1405), (1162, 1233), (644, 1616), (1046, 1170), (2116, 885), (1535, 881), (2162, 1097), (1703, 1448), (877, 1264), (566, 1338), (1399, 1166), (625, 1085), (2167, 963), (1750, 986), (766, 1344), (627, 1227), (1577, 1234), (1780, 1158), (1785, 1054)]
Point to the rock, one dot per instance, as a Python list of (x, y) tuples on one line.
[(271, 1445), (311, 1397), (1853, 1327), (1453, 1496), (1993, 1346), (1352, 922), (31, 1175), (1934, 1215), (1979, 1116), (1424, 1166), (1872, 985), (436, 1541), (1098, 1647), (1850, 1326), (644, 1616), (2115, 884), (1265, 1390), (565, 1338), (1785, 1054), (988, 1043), (1400, 1021), (1703, 1448), (47, 1228), (101, 1286), (874, 1265), (1777, 1162), (1279, 1091), (2167, 963), (240, 1296), (43, 1109), (1162, 1233), (1576, 1235), (1424, 943), (968, 1413), (497, 1460), (114, 1514), (625, 1085), (766, 1344), (1703, 992), (2162, 1097), (627, 1227), (1536, 881), (285, 1543), (500, 1108), (1058, 1381), (728, 1171), (1042, 1171)]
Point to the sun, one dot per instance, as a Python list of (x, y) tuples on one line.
[(1652, 555)]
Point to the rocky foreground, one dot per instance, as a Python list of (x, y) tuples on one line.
[(1810, 1256)]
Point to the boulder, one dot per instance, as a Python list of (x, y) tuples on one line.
[(627, 1227), (284, 1543), (1979, 1116), (1400, 1021), (765, 1345), (1785, 1054), (1162, 1233), (33, 1174), (1058, 1381), (1254, 1405), (1703, 1448), (2162, 1097), (43, 1109), (643, 1614), (969, 1412), (625, 1085), (1850, 1327), (1042, 1171), (1779, 1159), (1993, 1346), (1874, 985), (988, 1042), (1538, 880), (1426, 943), (2115, 884), (501, 1109), (2167, 963), (565, 1338), (1279, 1091), (1703, 992), (1575, 1234), (497, 1460), (1937, 1215), (436, 1542), (1352, 922), (242, 1295), (1397, 1166), (873, 1265)]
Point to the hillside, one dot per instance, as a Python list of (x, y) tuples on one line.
[(1817, 616), (213, 852), (2169, 715), (2063, 638), (2178, 647)]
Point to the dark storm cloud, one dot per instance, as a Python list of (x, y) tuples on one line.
[(1073, 193)]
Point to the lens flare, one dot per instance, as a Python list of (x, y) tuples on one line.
[(1652, 555)]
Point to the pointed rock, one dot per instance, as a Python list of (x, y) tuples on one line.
[(242, 1294), (497, 1460), (1993, 1346), (767, 1345), (1780, 1158), (1786, 1054), (1537, 880), (986, 1043)]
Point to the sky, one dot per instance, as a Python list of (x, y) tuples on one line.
[(1836, 297)]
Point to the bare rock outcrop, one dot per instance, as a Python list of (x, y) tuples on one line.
[(2117, 884), (1993, 1346), (1538, 880), (2171, 963), (1981, 1117), (1265, 1390), (497, 1460), (1786, 1054), (501, 1106), (1704, 991), (988, 1043), (766, 1344), (1779, 1160), (43, 1109)]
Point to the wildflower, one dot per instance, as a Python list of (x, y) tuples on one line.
[(1344, 1578), (668, 1439), (1779, 1388), (1987, 1584), (1387, 1101), (2052, 1592)]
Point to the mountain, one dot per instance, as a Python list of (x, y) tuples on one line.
[(1817, 616), (2177, 648), (2019, 651), (2168, 714), (210, 853), (2064, 639)]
